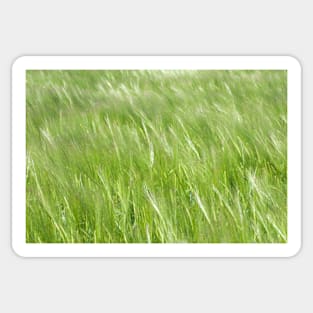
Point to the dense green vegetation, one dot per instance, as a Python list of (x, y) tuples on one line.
[(156, 156)]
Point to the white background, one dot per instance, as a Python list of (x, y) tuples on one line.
[(160, 27)]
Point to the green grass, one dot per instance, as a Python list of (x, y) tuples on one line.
[(156, 156)]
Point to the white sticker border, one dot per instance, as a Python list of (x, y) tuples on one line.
[(24, 63)]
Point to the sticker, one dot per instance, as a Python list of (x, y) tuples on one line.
[(156, 156)]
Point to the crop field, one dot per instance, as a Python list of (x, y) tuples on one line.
[(156, 156)]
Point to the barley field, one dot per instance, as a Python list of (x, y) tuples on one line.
[(156, 156)]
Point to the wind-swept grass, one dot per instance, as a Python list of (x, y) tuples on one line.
[(156, 156)]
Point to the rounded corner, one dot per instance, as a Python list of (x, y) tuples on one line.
[(18, 62), (294, 62), (295, 250), (17, 251)]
